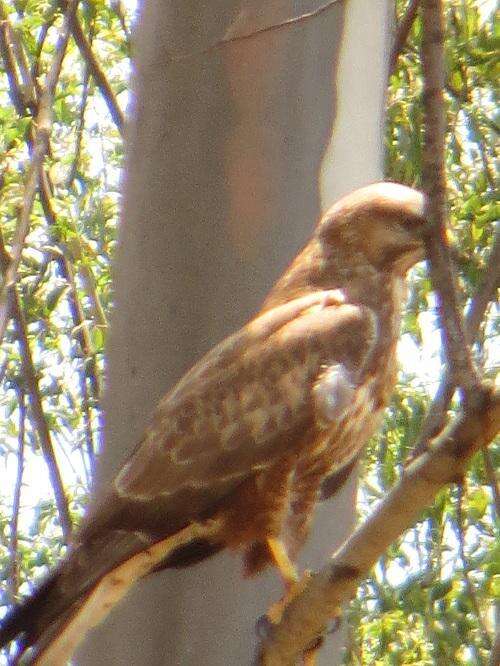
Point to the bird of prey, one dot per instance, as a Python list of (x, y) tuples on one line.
[(238, 452)]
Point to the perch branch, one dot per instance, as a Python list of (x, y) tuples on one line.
[(307, 615)]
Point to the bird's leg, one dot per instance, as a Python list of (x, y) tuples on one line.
[(283, 563), (292, 583), (288, 573)]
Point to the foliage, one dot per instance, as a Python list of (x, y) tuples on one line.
[(64, 284), (430, 599)]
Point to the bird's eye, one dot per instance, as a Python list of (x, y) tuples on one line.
[(413, 224)]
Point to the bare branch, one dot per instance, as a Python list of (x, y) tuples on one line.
[(42, 36), (308, 613), (28, 89), (31, 380), (117, 7), (486, 291), (15, 90), (77, 314), (79, 128), (16, 502), (99, 77), (460, 366), (436, 414), (402, 32)]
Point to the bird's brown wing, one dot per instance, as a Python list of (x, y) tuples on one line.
[(235, 413), (240, 408)]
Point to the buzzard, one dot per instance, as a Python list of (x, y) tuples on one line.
[(238, 452)]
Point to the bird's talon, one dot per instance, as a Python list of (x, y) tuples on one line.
[(263, 627), (276, 611)]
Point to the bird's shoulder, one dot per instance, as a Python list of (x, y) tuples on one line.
[(309, 331)]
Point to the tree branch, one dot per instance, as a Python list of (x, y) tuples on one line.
[(43, 125), (486, 291), (31, 381), (45, 189), (16, 502), (461, 369), (98, 76), (402, 32), (308, 613), (9, 65), (436, 413)]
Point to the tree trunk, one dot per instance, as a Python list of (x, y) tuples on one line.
[(234, 151)]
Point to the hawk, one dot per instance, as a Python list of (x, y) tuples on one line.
[(242, 447)]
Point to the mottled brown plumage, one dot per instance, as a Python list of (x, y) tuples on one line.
[(239, 451)]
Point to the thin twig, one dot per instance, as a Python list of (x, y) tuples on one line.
[(89, 434), (16, 501), (481, 143), (31, 381), (97, 73), (75, 306), (402, 32), (485, 293), (79, 128), (45, 189), (99, 78), (88, 281), (15, 91), (28, 89), (42, 36), (43, 129), (39, 420)]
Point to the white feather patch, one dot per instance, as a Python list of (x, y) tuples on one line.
[(334, 394)]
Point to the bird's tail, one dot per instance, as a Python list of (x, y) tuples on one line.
[(82, 591)]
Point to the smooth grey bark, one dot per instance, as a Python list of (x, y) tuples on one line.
[(233, 153)]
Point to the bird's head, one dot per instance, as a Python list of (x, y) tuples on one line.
[(377, 230), (383, 223)]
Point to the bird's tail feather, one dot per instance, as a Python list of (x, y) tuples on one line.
[(83, 591)]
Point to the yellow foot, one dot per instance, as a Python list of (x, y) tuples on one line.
[(293, 589), (293, 586)]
